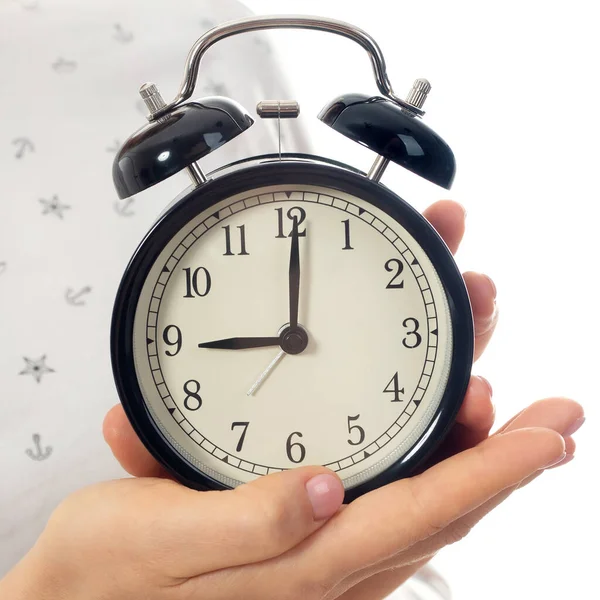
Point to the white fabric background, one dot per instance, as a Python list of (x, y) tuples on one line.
[(70, 72)]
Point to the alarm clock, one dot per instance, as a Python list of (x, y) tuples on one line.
[(288, 309)]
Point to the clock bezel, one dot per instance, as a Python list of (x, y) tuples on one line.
[(318, 172)]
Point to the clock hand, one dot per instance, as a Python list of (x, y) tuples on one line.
[(241, 343), (266, 372), (294, 277)]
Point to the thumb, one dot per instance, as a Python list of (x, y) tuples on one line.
[(255, 521)]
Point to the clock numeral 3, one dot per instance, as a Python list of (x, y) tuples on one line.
[(243, 424), (178, 340), (192, 400), (417, 336), (361, 431), (228, 251), (390, 269), (289, 445), (347, 245), (296, 213), (191, 283), (396, 389)]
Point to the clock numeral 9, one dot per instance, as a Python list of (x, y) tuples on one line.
[(191, 283), (228, 251), (296, 213), (289, 445), (192, 400), (361, 431), (178, 339), (390, 269), (396, 389), (243, 424), (417, 336)]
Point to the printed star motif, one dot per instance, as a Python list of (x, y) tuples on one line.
[(54, 207), (36, 368)]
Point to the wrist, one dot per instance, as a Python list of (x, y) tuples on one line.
[(33, 579)]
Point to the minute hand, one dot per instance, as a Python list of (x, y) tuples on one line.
[(241, 343), (294, 277)]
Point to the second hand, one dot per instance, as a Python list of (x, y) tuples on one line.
[(265, 373)]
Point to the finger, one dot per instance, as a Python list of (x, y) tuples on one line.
[(413, 509), (558, 414), (473, 422), (448, 218), (388, 575), (561, 414), (477, 412), (127, 447), (482, 293), (253, 522), (375, 584)]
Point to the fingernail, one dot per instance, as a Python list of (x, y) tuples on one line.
[(326, 495), (555, 461), (573, 427), (489, 385), (492, 285)]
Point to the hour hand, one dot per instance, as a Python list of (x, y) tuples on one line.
[(241, 343)]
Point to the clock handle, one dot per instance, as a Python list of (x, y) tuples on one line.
[(248, 24)]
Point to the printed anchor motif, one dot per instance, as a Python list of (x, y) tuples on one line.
[(61, 65), (38, 453), (122, 207), (75, 298), (36, 368), (23, 145), (121, 35), (3, 267), (54, 207)]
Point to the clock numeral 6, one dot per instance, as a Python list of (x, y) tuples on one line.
[(296, 213), (396, 389), (361, 431), (242, 251), (390, 268), (178, 339), (191, 282), (417, 336), (243, 424), (289, 445), (192, 400)]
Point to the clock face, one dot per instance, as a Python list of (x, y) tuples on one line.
[(357, 386)]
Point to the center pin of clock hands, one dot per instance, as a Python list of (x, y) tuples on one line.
[(292, 339)]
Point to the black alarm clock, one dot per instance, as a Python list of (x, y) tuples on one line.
[(287, 309)]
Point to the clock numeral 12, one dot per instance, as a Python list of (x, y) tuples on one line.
[(192, 400), (347, 245), (296, 213), (228, 251), (289, 445), (396, 389), (191, 282), (361, 431), (243, 424)]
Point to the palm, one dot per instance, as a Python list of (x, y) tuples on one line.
[(473, 424)]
